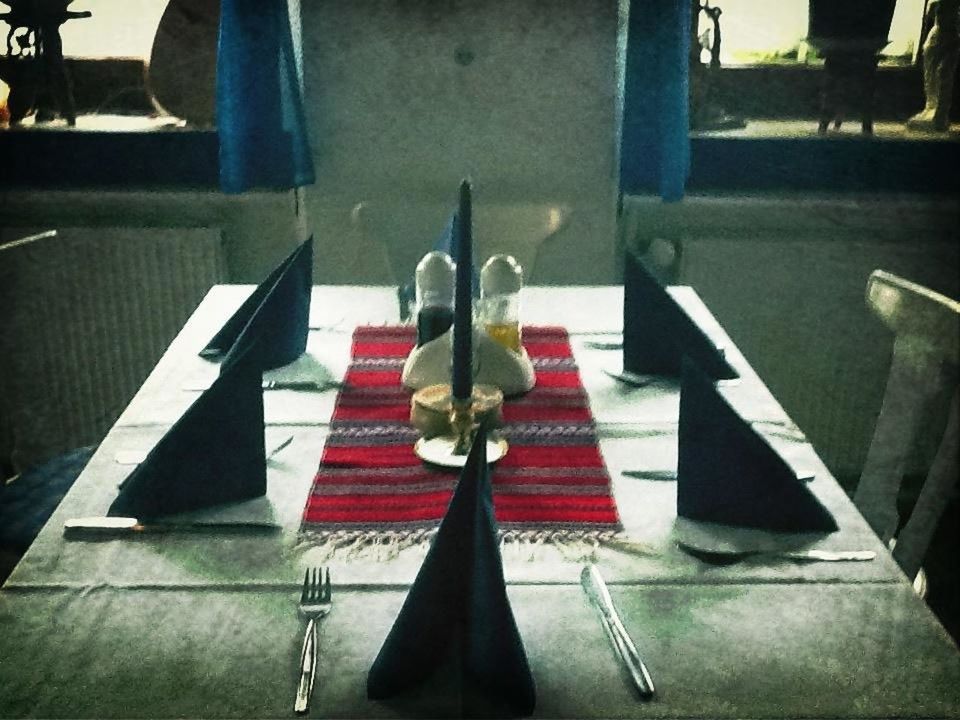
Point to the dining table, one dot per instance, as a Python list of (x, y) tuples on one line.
[(206, 624)]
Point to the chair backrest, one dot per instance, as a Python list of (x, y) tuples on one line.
[(401, 238), (926, 326)]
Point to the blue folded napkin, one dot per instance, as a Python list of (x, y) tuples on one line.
[(727, 473), (456, 625), (214, 454), (273, 322), (658, 333), (445, 242)]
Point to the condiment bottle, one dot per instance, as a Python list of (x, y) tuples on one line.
[(434, 293), (500, 281)]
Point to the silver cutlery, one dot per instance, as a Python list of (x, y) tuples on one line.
[(304, 385), (135, 457), (279, 446), (604, 344), (315, 604), (668, 475), (730, 557), (108, 527), (631, 379), (596, 590), (658, 475)]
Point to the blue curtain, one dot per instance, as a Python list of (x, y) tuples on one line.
[(260, 118), (655, 142)]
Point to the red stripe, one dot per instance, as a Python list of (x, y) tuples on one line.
[(549, 349), (381, 349), (546, 456), (391, 413), (383, 501), (607, 517), (574, 502), (372, 378), (533, 479), (361, 477), (530, 413), (315, 514), (373, 456)]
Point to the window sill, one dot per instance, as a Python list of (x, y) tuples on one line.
[(109, 152), (889, 161)]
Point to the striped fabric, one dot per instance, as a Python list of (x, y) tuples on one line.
[(553, 477)]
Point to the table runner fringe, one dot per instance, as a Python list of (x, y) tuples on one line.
[(574, 545)]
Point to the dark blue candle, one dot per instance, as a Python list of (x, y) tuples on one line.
[(463, 305)]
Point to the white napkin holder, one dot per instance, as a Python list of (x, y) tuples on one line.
[(493, 364)]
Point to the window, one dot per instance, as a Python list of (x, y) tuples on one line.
[(105, 57), (118, 115), (772, 81), (756, 32)]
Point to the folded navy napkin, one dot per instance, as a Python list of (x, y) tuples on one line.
[(445, 242), (727, 473), (658, 333), (214, 454), (456, 625), (274, 321)]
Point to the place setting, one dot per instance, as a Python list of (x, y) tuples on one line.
[(738, 500), (208, 472), (413, 397)]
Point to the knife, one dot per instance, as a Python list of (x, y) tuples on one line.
[(306, 385), (309, 385), (107, 527), (596, 590), (604, 344), (658, 475), (630, 378)]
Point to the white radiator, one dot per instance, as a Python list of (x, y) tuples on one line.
[(786, 276), (84, 315)]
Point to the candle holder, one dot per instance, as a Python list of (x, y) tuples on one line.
[(449, 424), (462, 424)]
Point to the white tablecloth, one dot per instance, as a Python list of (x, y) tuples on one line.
[(206, 625)]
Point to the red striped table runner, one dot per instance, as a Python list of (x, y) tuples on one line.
[(552, 480)]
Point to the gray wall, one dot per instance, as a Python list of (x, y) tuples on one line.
[(406, 98)]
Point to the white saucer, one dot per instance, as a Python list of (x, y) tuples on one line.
[(439, 451)]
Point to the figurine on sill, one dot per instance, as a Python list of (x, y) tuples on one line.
[(500, 360), (705, 112), (34, 66), (940, 52)]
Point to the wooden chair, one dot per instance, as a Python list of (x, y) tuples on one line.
[(927, 340)]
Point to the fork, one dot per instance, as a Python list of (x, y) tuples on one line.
[(315, 604)]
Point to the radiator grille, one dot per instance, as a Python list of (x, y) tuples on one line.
[(85, 316)]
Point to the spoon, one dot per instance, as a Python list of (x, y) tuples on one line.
[(730, 557)]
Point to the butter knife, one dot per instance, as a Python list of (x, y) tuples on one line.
[(596, 590), (305, 385), (107, 527)]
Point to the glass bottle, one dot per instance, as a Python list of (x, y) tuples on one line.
[(500, 281), (435, 280)]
